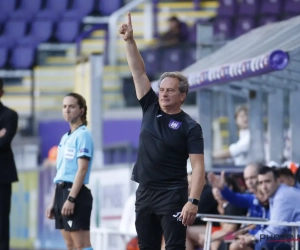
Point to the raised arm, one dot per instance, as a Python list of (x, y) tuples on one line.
[(135, 61)]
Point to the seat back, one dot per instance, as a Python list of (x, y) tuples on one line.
[(107, 7), (243, 25), (227, 8), (67, 30)]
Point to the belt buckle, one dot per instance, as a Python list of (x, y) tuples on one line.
[(61, 184)]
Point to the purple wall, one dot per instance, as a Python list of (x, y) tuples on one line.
[(115, 131)]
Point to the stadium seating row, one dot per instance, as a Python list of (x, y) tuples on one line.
[(232, 8), (238, 17), (28, 23)]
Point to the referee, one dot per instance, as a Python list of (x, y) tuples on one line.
[(168, 138), (71, 205)]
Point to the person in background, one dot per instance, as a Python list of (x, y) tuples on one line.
[(283, 208), (174, 35), (224, 208), (8, 129), (256, 203), (51, 159), (238, 151), (71, 205), (287, 177)]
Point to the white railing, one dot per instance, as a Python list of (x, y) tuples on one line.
[(209, 221), (113, 25), (100, 238)]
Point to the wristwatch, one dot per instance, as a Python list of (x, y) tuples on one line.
[(71, 199), (194, 201)]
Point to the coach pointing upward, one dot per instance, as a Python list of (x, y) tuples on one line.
[(168, 138)]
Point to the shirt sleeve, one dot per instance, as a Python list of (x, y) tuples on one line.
[(237, 199), (282, 210), (241, 146), (84, 145), (195, 140), (10, 123), (148, 99)]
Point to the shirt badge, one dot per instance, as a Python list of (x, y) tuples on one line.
[(174, 124)]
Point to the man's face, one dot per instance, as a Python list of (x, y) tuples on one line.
[(169, 94), (262, 198), (268, 184), (287, 180), (250, 177)]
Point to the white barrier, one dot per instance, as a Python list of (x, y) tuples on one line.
[(100, 239)]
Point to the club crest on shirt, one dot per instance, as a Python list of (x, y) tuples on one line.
[(174, 124)]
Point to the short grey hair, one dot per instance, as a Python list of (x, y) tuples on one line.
[(183, 81)]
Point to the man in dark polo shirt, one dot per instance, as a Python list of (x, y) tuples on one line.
[(168, 138)]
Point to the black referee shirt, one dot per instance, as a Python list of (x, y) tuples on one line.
[(164, 146)]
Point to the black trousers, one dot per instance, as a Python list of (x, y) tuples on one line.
[(5, 201), (156, 216)]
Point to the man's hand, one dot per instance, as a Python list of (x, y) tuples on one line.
[(126, 29), (217, 181), (188, 214), (245, 240), (68, 208), (2, 132)]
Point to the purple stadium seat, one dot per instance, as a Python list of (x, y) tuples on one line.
[(227, 8), (15, 29), (27, 41), (172, 60), (41, 30), (271, 6), (22, 57), (150, 57), (7, 6), (3, 57), (107, 7), (67, 30), (249, 7), (21, 15), (30, 6), (54, 6), (3, 17), (243, 25), (73, 15), (223, 28), (85, 7), (50, 15), (292, 6), (267, 19), (7, 42)]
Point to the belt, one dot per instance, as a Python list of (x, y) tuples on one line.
[(63, 184)]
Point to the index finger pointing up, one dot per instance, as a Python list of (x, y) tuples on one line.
[(129, 18)]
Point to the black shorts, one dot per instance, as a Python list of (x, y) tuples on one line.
[(80, 219)]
